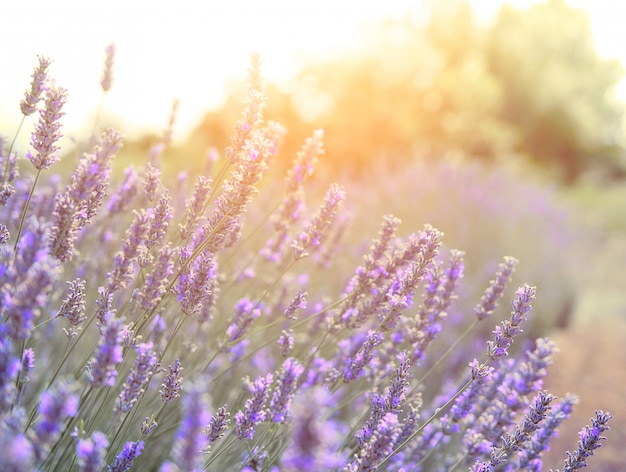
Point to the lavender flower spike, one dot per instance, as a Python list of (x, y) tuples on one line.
[(505, 333), (489, 300), (378, 447), (31, 97), (48, 130), (107, 74), (589, 441), (73, 307), (357, 363), (124, 460), (54, 408), (91, 452), (279, 410), (140, 374), (311, 237), (101, 370), (187, 448), (254, 411), (514, 442), (172, 385), (219, 423)]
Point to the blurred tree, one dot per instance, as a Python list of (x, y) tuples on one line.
[(559, 93), (435, 83)]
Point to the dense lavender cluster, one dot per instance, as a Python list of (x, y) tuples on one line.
[(148, 325)]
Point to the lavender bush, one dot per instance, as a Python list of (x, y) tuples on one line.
[(173, 326)]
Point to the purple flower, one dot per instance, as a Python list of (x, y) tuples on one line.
[(314, 443), (512, 443), (279, 409), (161, 215), (91, 452), (124, 460), (189, 438), (496, 288), (292, 205), (589, 441), (252, 115), (530, 456), (254, 411), (48, 129), (223, 226), (32, 97), (246, 311), (123, 197), (195, 208), (9, 368), (78, 204), (156, 284), (145, 366), (311, 237), (195, 281), (379, 446), (73, 307), (172, 385), (505, 333), (285, 341), (356, 363), (218, 424), (147, 426), (391, 401), (101, 370), (25, 302), (131, 248), (54, 409), (151, 182), (297, 303), (16, 450), (107, 74)]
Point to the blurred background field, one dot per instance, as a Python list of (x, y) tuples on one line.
[(508, 135)]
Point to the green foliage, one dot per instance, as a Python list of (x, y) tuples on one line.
[(558, 92), (531, 82)]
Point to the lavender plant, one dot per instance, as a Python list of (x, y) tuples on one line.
[(136, 337)]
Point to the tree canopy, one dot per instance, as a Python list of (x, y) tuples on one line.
[(435, 82)]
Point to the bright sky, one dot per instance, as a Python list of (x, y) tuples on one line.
[(187, 49)]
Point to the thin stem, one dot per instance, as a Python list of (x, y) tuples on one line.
[(25, 210)]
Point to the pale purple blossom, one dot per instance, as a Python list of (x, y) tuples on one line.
[(107, 74), (496, 288), (189, 439), (101, 370), (195, 206), (297, 303), (124, 460), (79, 203), (32, 97), (379, 446), (311, 237), (195, 281), (279, 408), (73, 306), (255, 410), (145, 366), (590, 438), (91, 452), (356, 363), (157, 281), (509, 329), (219, 423), (55, 407), (173, 383), (44, 139)]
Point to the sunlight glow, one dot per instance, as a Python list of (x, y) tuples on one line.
[(189, 49)]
